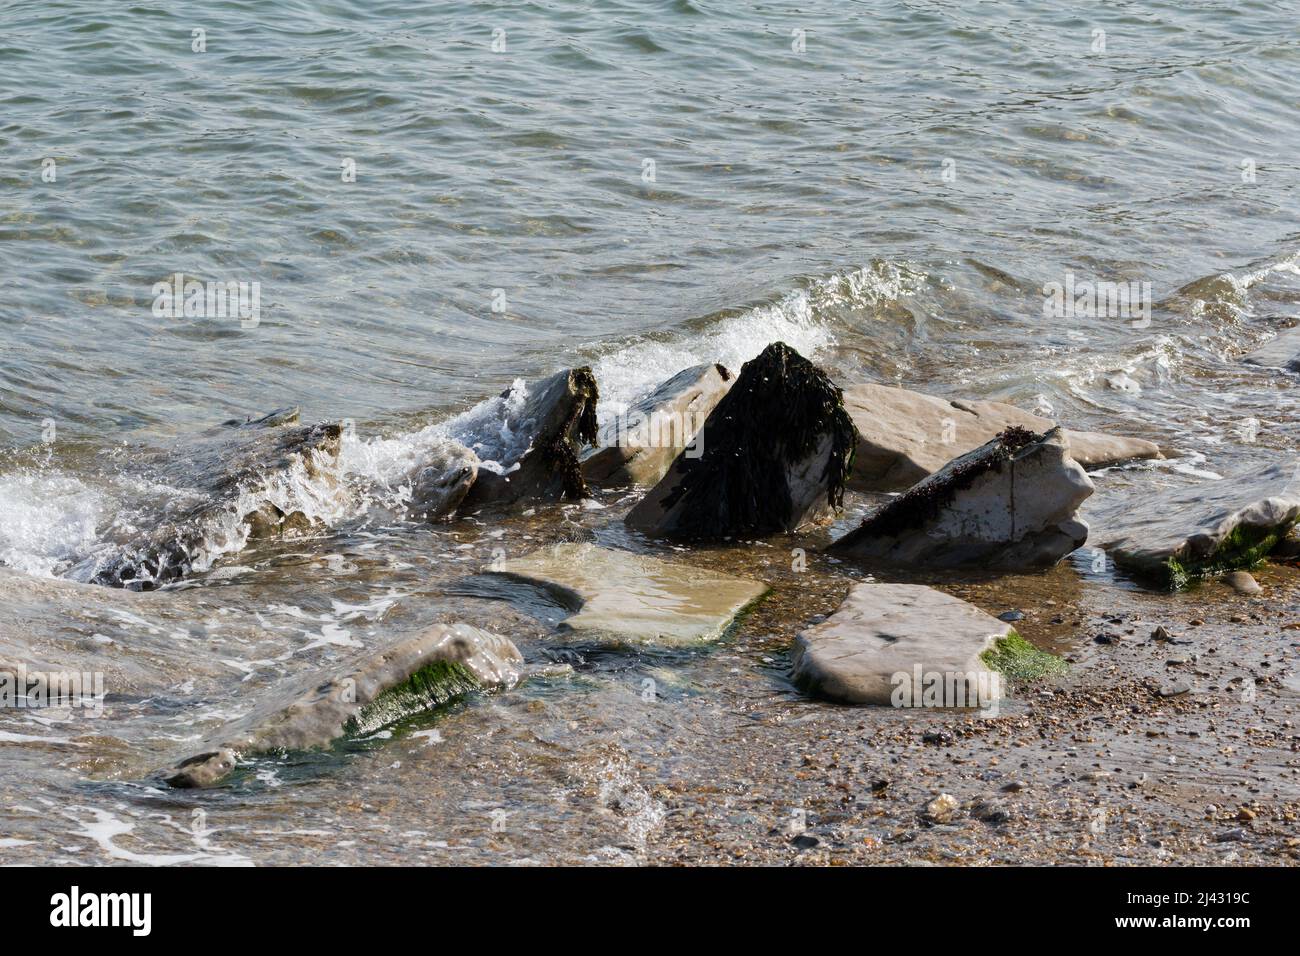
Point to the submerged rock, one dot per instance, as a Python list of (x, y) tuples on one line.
[(1011, 503), (638, 447), (1242, 582), (240, 473), (534, 452), (380, 688), (1212, 528), (777, 452), (441, 483), (885, 640), (621, 598), (904, 436), (1282, 351)]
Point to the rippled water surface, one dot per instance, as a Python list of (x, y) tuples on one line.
[(635, 186)]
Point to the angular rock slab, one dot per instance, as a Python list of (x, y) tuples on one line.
[(623, 598), (379, 688), (638, 447), (1009, 504), (904, 436), (884, 630), (777, 451), (535, 446), (1282, 352), (220, 466), (1218, 526)]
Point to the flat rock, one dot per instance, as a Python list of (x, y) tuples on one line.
[(1282, 351), (228, 472), (621, 598), (904, 436), (884, 630), (375, 689), (637, 447), (1243, 582), (1011, 503), (1211, 528), (777, 451), (531, 451)]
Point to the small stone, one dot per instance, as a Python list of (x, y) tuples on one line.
[(805, 841), (1011, 616), (1174, 690), (941, 737), (1235, 835), (879, 785), (941, 809), (1242, 582), (1106, 639), (1015, 786), (990, 811), (1245, 814), (1160, 634)]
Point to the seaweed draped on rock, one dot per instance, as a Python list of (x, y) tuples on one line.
[(1010, 503), (534, 451), (777, 450)]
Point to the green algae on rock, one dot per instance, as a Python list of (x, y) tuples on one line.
[(377, 689), (1228, 525), (623, 598), (1018, 660), (778, 448)]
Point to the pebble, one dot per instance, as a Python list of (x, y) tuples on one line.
[(1235, 835), (1174, 690), (938, 737), (805, 841), (941, 809), (1015, 786), (1011, 617), (990, 811)]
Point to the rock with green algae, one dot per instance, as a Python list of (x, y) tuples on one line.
[(1018, 660), (1011, 503), (777, 451), (892, 643), (1226, 525), (380, 688), (620, 598)]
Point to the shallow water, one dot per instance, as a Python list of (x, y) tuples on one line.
[(890, 200)]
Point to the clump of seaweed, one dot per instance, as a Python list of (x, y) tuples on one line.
[(580, 426), (925, 500), (777, 413), (432, 685), (1243, 548)]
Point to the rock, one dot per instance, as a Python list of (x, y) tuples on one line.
[(372, 691), (638, 447), (1174, 690), (1282, 351), (988, 810), (869, 651), (1009, 504), (441, 483), (533, 451), (243, 475), (1242, 582), (804, 841), (621, 598), (905, 436), (777, 451), (1171, 540), (1235, 835), (1011, 616), (942, 809)]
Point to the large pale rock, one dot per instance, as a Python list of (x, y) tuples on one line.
[(1214, 527), (1282, 351), (533, 451), (637, 447), (374, 690), (903, 436), (777, 451), (223, 469), (1009, 504), (621, 598), (884, 638)]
